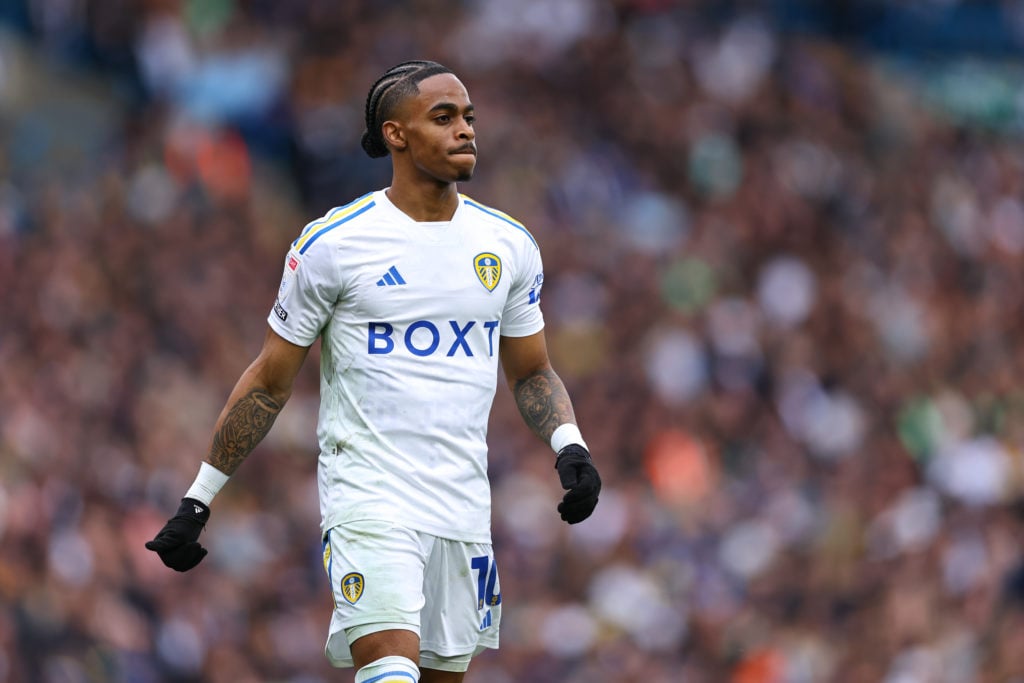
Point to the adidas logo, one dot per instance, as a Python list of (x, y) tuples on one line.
[(392, 277)]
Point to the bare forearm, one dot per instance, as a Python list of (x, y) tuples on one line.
[(543, 402), (246, 419)]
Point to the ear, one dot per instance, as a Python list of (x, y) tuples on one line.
[(394, 135)]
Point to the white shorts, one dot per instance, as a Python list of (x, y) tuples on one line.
[(385, 576)]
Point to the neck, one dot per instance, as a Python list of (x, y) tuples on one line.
[(425, 201)]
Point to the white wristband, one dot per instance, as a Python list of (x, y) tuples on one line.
[(566, 434), (207, 483)]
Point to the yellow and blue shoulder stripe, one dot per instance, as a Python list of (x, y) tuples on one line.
[(498, 214), (335, 217)]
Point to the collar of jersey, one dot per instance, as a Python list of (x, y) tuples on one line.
[(381, 198)]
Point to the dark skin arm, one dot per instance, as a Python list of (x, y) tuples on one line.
[(248, 415), (255, 402), (539, 393)]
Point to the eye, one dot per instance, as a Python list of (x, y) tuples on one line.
[(443, 118), (470, 119)]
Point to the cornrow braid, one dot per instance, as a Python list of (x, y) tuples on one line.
[(396, 84)]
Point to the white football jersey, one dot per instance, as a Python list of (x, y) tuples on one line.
[(410, 316)]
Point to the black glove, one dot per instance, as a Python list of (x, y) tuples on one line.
[(176, 544), (579, 476)]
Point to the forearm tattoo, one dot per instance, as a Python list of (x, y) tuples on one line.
[(543, 402), (245, 425)]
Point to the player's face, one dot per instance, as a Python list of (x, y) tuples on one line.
[(439, 128)]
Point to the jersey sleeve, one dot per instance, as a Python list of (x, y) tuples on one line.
[(522, 316), (310, 288)]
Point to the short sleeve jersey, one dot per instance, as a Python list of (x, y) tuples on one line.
[(409, 315)]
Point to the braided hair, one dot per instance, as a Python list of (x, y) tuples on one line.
[(395, 85)]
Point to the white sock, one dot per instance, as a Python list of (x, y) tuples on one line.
[(389, 670)]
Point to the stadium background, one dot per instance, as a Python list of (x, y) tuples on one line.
[(784, 246)]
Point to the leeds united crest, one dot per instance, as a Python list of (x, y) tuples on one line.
[(352, 586), (488, 269)]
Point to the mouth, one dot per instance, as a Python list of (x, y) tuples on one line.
[(465, 149)]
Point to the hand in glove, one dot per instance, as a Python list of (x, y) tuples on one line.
[(177, 543), (579, 477)]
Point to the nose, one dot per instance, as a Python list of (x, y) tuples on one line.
[(465, 131)]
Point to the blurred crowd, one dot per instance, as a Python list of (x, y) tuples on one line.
[(785, 287)]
